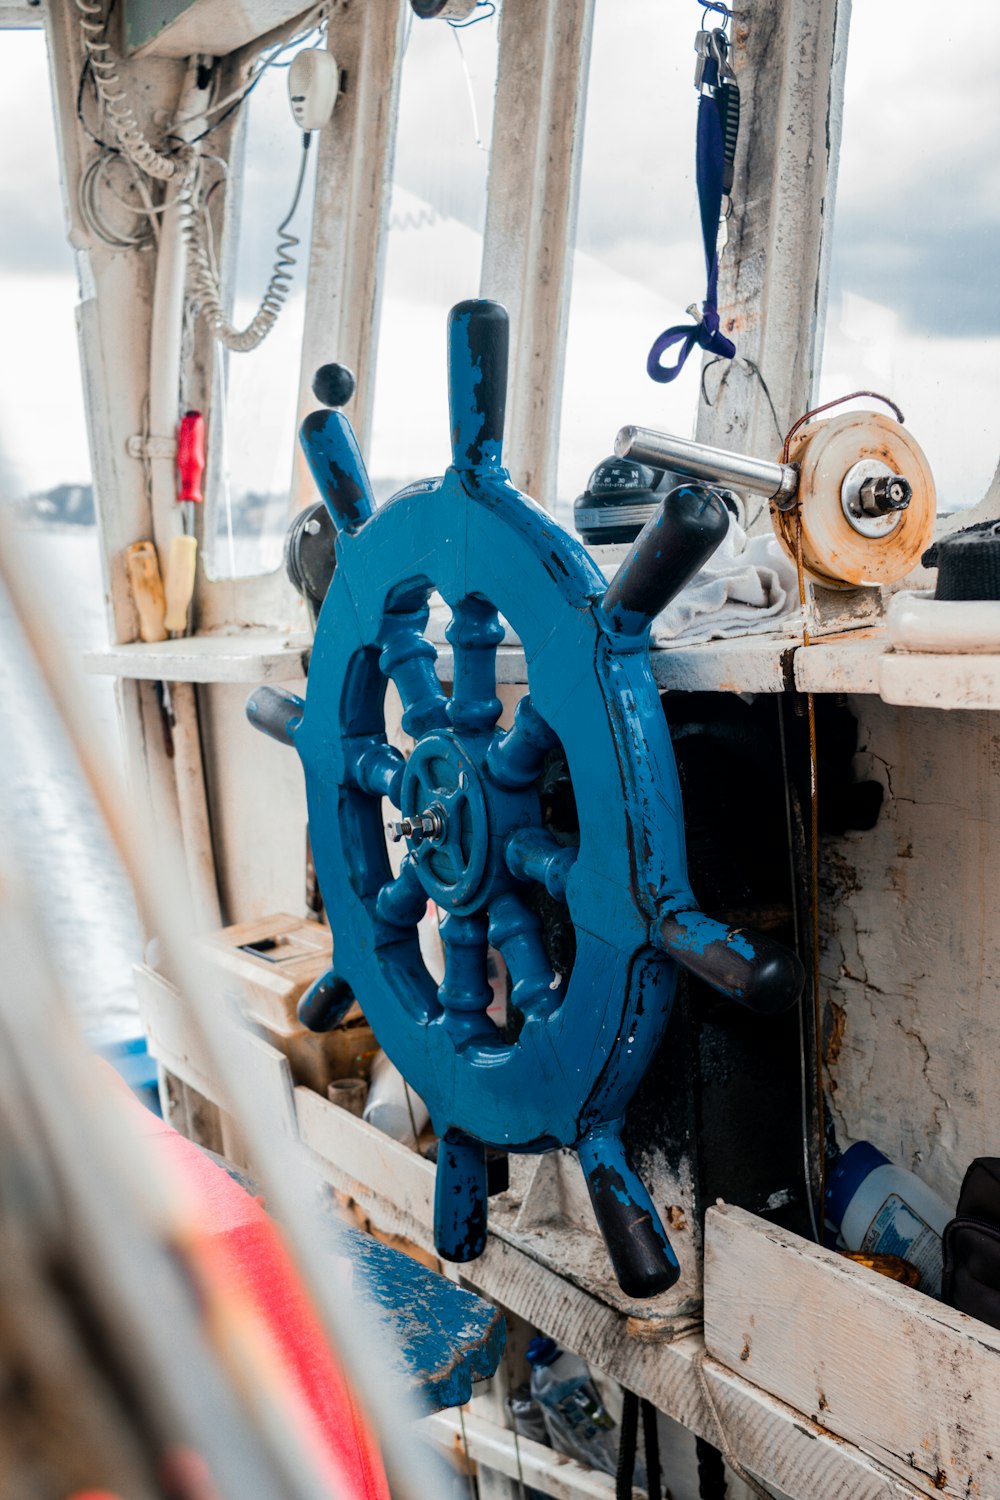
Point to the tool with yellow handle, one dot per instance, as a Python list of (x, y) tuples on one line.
[(143, 569), (180, 581)]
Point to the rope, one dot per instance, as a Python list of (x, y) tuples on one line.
[(628, 1443), (651, 1444), (520, 1472), (724, 1444), (471, 1483)]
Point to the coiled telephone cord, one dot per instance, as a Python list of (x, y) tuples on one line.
[(205, 281)]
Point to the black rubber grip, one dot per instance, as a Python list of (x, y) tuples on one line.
[(745, 966), (325, 1003), (638, 1247), (667, 553)]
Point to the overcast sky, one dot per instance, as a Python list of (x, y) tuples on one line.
[(915, 298)]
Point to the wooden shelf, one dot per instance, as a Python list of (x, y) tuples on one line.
[(753, 664), (919, 680), (252, 656), (859, 662)]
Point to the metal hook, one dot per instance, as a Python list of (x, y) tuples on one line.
[(718, 46), (719, 8)]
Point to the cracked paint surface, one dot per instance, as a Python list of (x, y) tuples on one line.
[(911, 945)]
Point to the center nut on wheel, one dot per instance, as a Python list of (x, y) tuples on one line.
[(457, 818)]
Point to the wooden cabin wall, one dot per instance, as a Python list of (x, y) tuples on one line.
[(911, 944), (258, 804)]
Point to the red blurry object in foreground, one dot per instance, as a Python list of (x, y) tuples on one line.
[(237, 1253), (190, 456)]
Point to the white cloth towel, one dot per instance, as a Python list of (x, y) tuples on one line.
[(747, 587)]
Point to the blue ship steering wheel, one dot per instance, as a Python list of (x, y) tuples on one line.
[(471, 815)]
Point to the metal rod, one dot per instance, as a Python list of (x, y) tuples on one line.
[(778, 482)]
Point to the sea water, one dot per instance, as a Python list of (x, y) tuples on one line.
[(51, 830)]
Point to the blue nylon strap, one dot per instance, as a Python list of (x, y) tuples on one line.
[(705, 334)]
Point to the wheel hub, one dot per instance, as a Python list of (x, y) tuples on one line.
[(456, 820)]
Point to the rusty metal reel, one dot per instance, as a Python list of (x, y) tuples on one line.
[(839, 549)]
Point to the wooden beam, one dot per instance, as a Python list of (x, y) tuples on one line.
[(889, 1369), (21, 15), (181, 28), (790, 57), (531, 217), (351, 212)]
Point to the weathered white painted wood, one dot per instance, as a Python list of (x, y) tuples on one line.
[(351, 213), (179, 1047), (540, 1468), (848, 664), (253, 656), (531, 217), (212, 27), (907, 1379), (21, 14), (919, 680), (270, 1077), (173, 1041), (395, 1187), (755, 664), (368, 1165), (192, 807), (911, 944)]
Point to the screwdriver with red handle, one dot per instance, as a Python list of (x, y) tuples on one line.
[(184, 548)]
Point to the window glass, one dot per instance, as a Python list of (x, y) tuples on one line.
[(251, 446), (435, 240), (51, 829), (638, 263), (914, 308)]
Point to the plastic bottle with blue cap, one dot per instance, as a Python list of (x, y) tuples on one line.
[(577, 1421), (881, 1209)]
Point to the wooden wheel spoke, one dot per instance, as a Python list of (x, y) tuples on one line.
[(402, 902), (465, 991), (533, 854), (517, 932), (376, 768), (408, 657), (516, 758), (475, 633)]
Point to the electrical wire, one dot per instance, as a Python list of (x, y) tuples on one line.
[(488, 10), (311, 34), (93, 215), (206, 282)]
